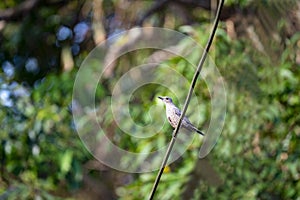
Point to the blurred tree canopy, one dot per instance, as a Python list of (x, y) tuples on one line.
[(256, 49)]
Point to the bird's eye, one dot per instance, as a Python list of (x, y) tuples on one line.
[(167, 98)]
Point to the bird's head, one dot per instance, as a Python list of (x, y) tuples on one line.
[(166, 100)]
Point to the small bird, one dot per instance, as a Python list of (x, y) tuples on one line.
[(173, 115)]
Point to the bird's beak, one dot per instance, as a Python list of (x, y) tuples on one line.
[(161, 98)]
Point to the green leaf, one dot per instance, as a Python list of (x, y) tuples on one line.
[(66, 161)]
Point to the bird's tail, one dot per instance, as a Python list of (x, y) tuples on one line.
[(198, 131)]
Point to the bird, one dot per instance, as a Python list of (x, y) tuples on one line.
[(173, 114)]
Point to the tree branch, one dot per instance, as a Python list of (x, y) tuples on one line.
[(17, 12), (190, 4), (205, 4), (156, 7)]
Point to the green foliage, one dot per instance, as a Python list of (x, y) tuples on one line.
[(41, 156), (258, 145), (241, 3), (37, 141), (256, 156)]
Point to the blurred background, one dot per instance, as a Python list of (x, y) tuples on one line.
[(256, 49)]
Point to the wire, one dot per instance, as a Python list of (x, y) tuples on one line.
[(188, 98)]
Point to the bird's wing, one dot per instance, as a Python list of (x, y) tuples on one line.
[(178, 113)]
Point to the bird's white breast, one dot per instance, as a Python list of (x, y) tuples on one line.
[(170, 110)]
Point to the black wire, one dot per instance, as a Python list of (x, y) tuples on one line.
[(188, 98)]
